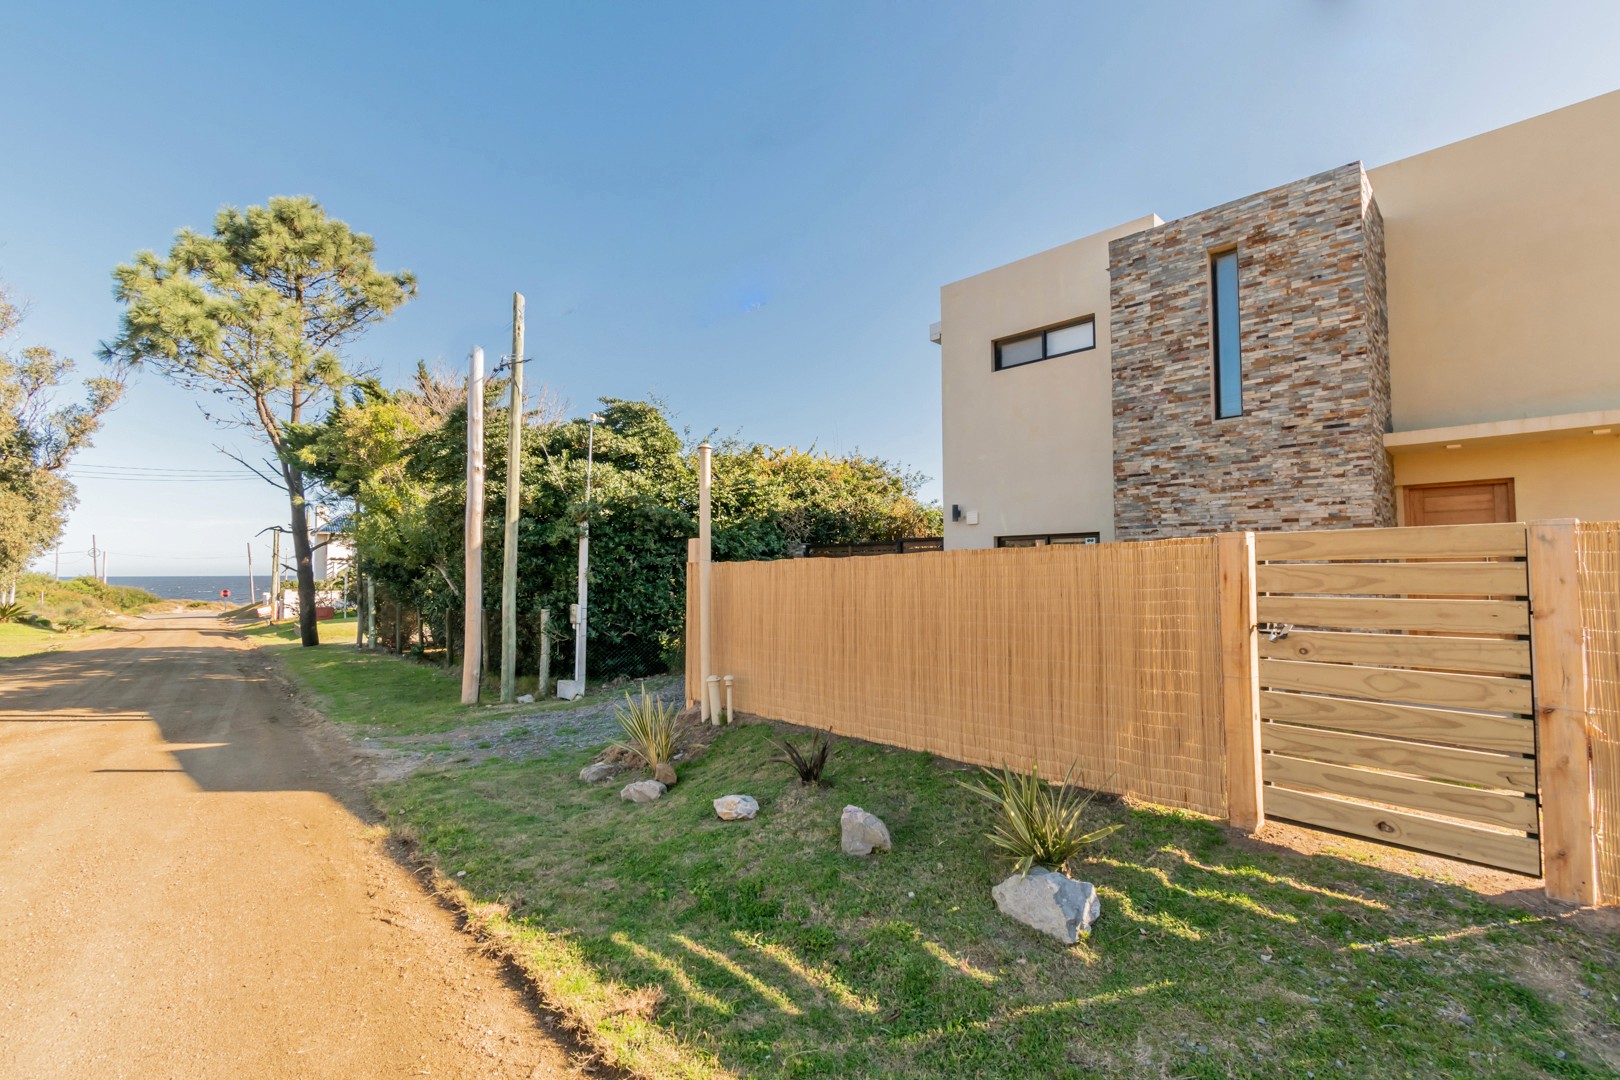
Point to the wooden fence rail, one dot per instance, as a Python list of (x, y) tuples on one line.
[(1453, 688)]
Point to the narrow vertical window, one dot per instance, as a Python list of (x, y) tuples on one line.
[(1228, 358)]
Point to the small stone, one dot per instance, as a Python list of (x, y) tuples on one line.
[(525, 699), (596, 772), (736, 807), (863, 833), (643, 791), (1050, 902), (665, 774)]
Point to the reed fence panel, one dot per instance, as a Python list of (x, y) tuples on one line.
[(1600, 618), (1105, 656)]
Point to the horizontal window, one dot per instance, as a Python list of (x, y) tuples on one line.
[(1047, 538), (1044, 344)]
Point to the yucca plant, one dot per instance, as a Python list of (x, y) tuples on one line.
[(1038, 825), (12, 613), (649, 728), (808, 764)]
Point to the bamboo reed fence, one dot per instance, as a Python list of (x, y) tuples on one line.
[(1104, 656), (1600, 618)]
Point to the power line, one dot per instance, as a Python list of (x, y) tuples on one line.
[(146, 468)]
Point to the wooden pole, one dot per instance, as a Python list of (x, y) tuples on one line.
[(253, 596), (514, 484), (705, 594), (1563, 748), (473, 593), (543, 684), (1240, 681), (275, 575)]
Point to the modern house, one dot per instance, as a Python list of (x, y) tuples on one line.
[(1431, 341)]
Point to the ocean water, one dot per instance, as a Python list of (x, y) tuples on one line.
[(196, 588)]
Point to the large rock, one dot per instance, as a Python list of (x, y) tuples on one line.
[(643, 791), (1050, 902), (665, 774), (736, 807), (863, 833), (596, 772)]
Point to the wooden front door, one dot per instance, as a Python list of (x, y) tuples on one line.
[(1473, 502)]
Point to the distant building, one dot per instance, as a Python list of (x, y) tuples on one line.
[(333, 551), (1426, 342)]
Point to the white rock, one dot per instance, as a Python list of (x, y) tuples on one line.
[(525, 699), (643, 791), (1050, 902), (863, 833), (596, 772), (736, 807)]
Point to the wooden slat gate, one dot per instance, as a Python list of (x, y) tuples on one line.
[(1396, 698)]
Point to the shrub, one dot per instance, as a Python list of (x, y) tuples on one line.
[(1037, 825), (808, 764), (649, 728), (13, 613)]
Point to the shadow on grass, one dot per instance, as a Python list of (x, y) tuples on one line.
[(688, 945)]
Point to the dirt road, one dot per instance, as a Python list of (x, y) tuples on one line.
[(183, 892)]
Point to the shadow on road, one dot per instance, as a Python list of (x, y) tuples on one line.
[(221, 716)]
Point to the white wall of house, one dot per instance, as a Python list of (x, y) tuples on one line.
[(332, 556), (1028, 450)]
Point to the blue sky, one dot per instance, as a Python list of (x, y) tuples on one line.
[(745, 209)]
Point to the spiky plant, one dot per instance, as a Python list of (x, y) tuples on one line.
[(649, 728), (1037, 824), (807, 763), (12, 613)]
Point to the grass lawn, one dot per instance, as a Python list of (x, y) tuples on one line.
[(396, 698), (16, 639), (687, 946)]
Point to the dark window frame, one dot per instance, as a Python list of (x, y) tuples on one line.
[(995, 350), (1222, 367), (1048, 539)]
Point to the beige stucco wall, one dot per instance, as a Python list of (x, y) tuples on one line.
[(1030, 449), (1577, 476), (1504, 271)]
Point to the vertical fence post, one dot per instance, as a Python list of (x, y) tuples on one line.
[(1563, 749), (1240, 681), (543, 683)]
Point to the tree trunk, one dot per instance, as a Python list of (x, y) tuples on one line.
[(308, 634)]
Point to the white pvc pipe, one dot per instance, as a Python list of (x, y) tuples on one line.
[(705, 582), (712, 697)]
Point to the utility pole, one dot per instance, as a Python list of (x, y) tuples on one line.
[(514, 485), (104, 567), (472, 616), (705, 579), (275, 575), (95, 558), (253, 597)]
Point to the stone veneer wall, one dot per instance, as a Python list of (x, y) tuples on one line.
[(1308, 451)]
